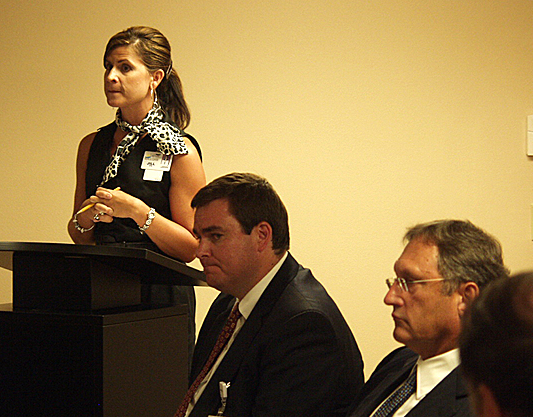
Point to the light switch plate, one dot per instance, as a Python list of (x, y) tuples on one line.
[(531, 221), (530, 135)]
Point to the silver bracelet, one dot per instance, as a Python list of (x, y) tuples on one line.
[(77, 225), (151, 215)]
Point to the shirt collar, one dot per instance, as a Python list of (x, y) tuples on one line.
[(432, 371), (247, 304)]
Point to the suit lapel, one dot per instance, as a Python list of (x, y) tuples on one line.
[(209, 335), (231, 363), (233, 359), (442, 400), (384, 388)]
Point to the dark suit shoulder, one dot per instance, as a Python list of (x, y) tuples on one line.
[(304, 346), (303, 293), (304, 303), (394, 360)]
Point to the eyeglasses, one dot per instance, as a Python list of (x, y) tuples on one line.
[(404, 284)]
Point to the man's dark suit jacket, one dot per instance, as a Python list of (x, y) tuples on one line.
[(294, 356), (449, 398)]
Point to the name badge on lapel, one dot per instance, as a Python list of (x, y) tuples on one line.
[(223, 390), (154, 164)]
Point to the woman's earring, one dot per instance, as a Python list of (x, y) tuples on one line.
[(153, 94)]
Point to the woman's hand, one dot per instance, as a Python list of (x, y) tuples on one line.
[(115, 203)]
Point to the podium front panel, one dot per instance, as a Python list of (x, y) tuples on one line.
[(97, 365)]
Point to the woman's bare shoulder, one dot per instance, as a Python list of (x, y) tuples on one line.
[(86, 142)]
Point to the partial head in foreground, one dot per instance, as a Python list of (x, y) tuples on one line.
[(496, 348)]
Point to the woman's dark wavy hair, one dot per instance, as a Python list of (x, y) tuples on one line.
[(153, 49)]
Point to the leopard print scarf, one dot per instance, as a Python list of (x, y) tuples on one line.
[(168, 138)]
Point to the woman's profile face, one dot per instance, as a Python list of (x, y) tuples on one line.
[(127, 81)]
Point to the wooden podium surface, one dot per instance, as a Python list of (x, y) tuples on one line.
[(77, 341)]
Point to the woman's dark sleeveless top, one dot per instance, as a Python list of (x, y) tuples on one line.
[(130, 180), (125, 231)]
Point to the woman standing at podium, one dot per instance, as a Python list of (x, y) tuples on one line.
[(136, 176)]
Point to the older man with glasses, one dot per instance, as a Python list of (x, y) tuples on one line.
[(442, 269)]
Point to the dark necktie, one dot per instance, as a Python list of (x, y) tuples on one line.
[(222, 340), (400, 396)]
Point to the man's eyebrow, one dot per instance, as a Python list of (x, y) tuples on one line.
[(209, 229)]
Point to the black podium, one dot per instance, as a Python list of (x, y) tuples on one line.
[(76, 341)]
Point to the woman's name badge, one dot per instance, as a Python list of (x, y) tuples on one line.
[(154, 164)]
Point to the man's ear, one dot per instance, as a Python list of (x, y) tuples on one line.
[(468, 292), (264, 235)]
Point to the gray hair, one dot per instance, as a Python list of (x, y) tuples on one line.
[(466, 252)]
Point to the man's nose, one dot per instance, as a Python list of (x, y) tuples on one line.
[(392, 296), (203, 249)]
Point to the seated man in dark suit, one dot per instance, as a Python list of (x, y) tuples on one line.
[(440, 272), (285, 348), (496, 347)]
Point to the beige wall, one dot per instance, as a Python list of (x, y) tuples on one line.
[(366, 116)]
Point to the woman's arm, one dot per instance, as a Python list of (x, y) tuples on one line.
[(173, 236), (85, 219)]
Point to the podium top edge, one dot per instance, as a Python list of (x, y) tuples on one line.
[(70, 249), (74, 249)]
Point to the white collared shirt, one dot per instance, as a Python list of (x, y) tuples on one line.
[(429, 373), (246, 306)]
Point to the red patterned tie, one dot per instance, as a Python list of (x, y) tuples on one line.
[(222, 340)]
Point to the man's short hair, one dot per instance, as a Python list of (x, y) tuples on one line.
[(465, 252), (251, 200), (496, 343)]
